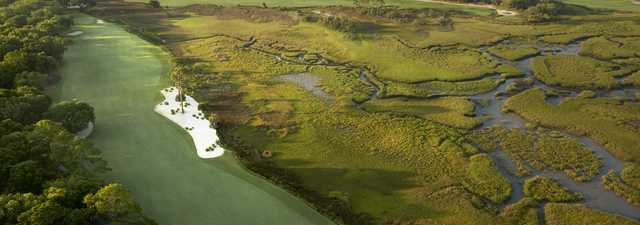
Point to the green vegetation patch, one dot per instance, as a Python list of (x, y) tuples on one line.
[(485, 179), (451, 111), (631, 174), (620, 5), (441, 88), (396, 62), (563, 38), (547, 189), (541, 151), (572, 214), (568, 155), (523, 212), (343, 83), (513, 53), (610, 48), (609, 122), (576, 71), (626, 184), (633, 79)]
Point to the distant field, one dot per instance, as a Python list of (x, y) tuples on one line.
[(300, 3), (623, 5)]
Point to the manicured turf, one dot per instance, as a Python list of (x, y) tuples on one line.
[(121, 76), (621, 5)]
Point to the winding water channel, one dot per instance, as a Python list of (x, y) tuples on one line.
[(121, 76), (594, 194)]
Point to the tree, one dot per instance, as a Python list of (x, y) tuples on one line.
[(154, 3), (46, 213), (27, 176), (113, 201), (33, 79), (73, 115)]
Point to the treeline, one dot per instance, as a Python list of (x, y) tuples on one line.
[(47, 174)]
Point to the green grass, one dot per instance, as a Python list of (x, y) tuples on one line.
[(607, 121), (620, 5), (572, 214), (633, 79), (626, 184), (121, 76), (576, 72), (441, 88), (523, 212), (630, 174), (563, 38), (450, 111), (513, 53), (541, 151), (611, 48), (486, 181), (548, 190)]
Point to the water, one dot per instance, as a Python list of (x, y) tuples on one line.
[(121, 76), (595, 196)]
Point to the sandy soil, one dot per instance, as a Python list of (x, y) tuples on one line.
[(193, 121)]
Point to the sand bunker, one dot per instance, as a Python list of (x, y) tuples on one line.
[(75, 33), (86, 132), (193, 121)]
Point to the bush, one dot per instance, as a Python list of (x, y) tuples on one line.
[(73, 115)]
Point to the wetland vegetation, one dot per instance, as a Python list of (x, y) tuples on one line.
[(368, 112)]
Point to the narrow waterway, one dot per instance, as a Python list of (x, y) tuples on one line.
[(593, 192), (121, 76)]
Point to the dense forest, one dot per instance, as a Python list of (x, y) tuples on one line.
[(48, 175)]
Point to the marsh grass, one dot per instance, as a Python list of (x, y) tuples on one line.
[(539, 151), (577, 72), (513, 53), (451, 111), (609, 122), (568, 214), (611, 48), (549, 190)]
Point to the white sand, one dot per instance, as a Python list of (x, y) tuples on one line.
[(75, 33), (86, 132), (202, 134), (99, 21)]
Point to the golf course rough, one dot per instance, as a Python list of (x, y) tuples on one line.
[(120, 75)]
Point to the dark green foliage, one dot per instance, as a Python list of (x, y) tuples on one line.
[(545, 10), (45, 171), (72, 114), (154, 3)]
